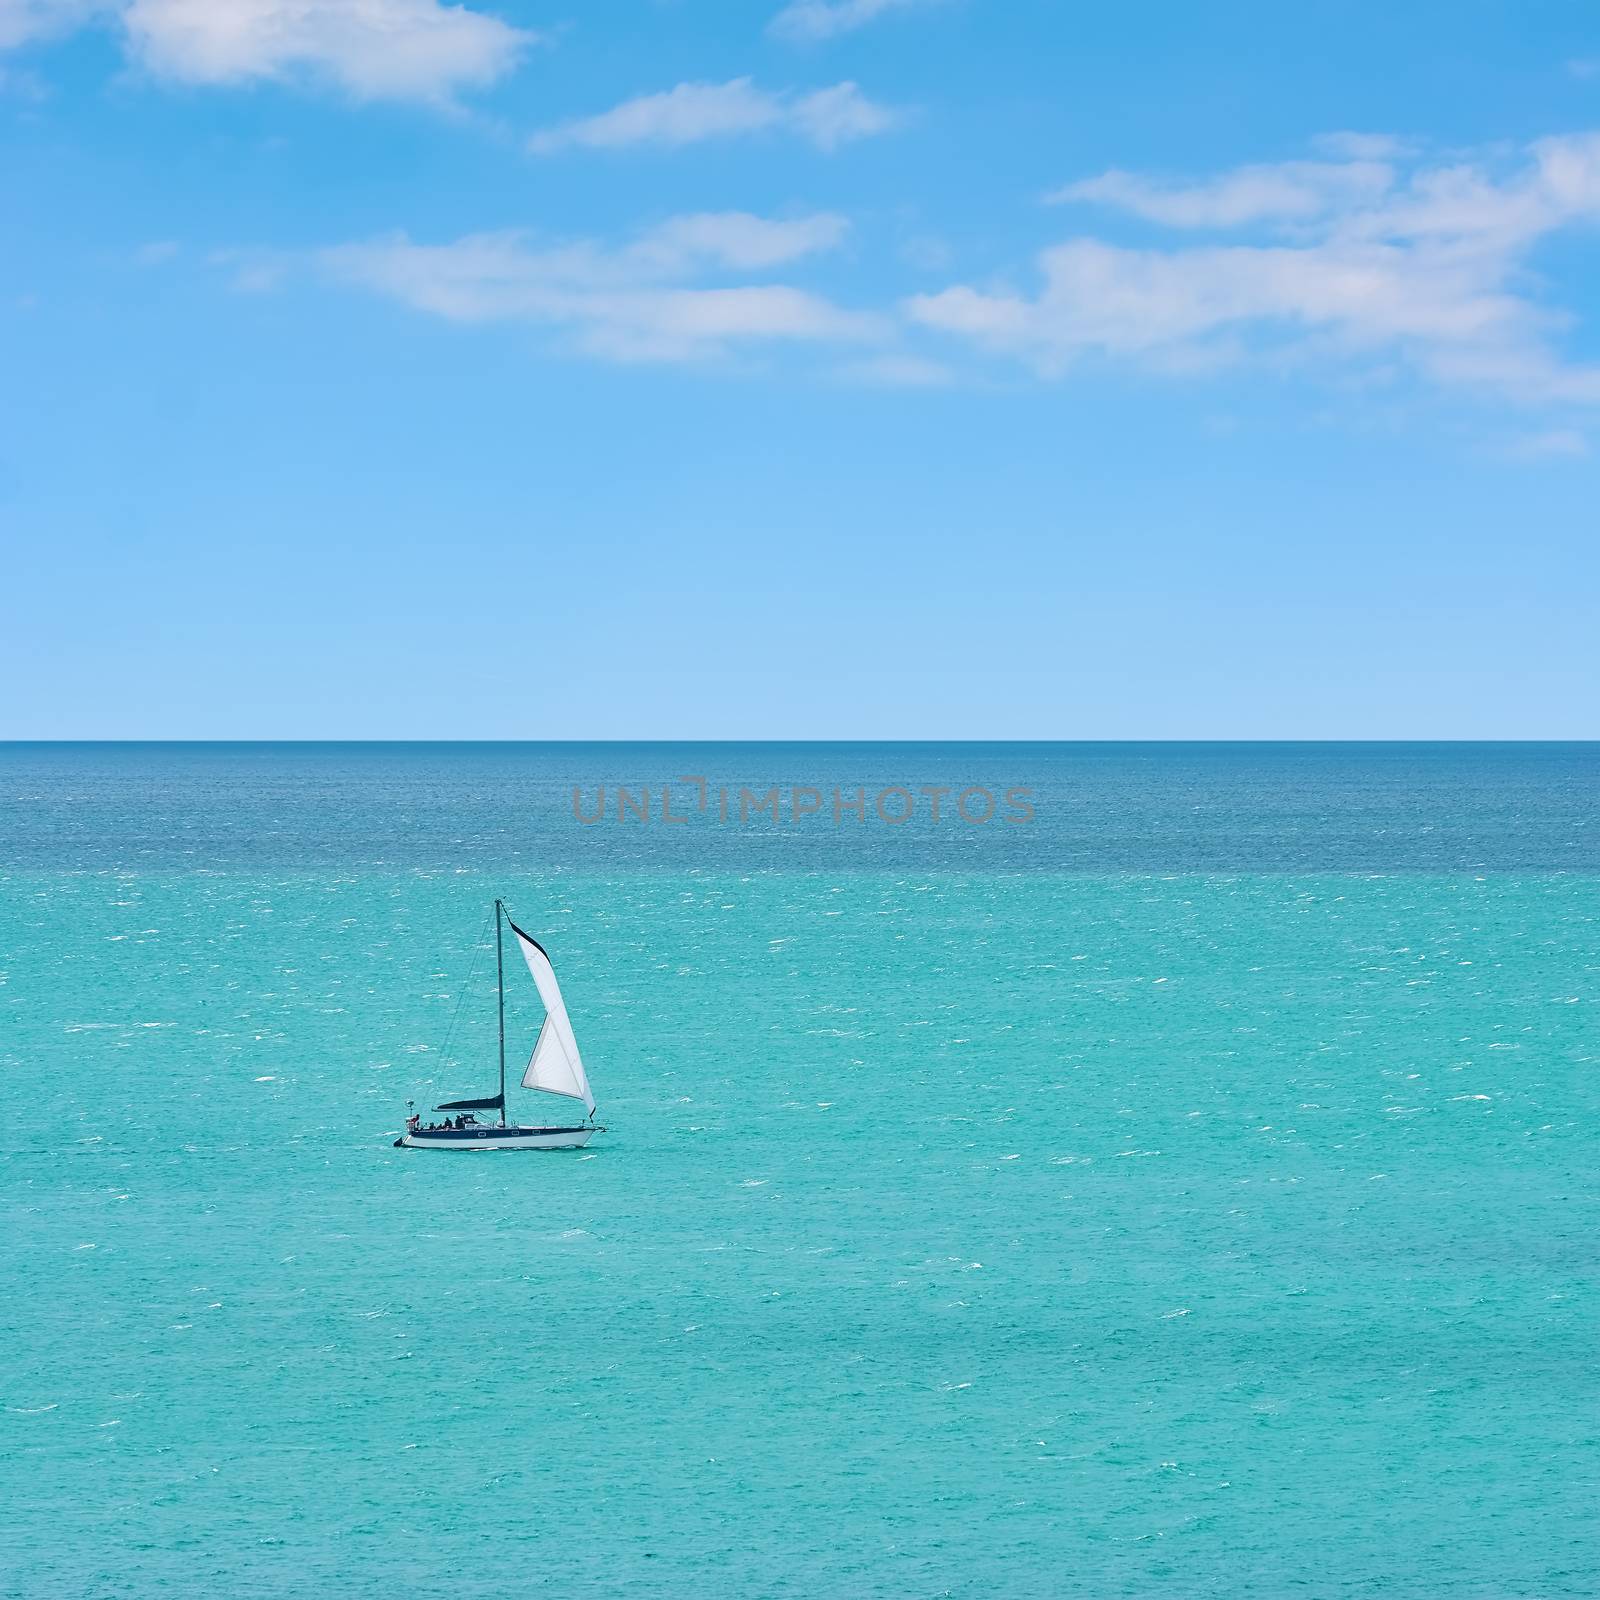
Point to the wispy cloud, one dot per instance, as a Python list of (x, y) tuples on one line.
[(23, 21), (896, 370), (693, 112), (659, 297), (1556, 444), (805, 21), (371, 49), (28, 87), (733, 239), (1421, 265), (255, 271), (1351, 146), (1288, 190)]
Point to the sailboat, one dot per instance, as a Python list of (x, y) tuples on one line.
[(555, 1067)]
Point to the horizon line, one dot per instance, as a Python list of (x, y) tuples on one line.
[(1386, 739)]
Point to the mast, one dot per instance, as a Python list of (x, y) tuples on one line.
[(500, 976)]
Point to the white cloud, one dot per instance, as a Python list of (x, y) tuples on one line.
[(1287, 190), (836, 116), (684, 115), (693, 112), (1360, 262), (645, 300), (372, 49), (805, 21), (22, 21), (736, 239)]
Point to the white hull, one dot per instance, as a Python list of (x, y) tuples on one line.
[(499, 1138)]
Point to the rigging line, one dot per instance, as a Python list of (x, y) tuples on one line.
[(466, 988)]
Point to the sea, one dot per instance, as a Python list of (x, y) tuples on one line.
[(1170, 1172)]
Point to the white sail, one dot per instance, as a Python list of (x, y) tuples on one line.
[(555, 1066)]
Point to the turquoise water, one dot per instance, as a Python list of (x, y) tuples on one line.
[(1191, 1192)]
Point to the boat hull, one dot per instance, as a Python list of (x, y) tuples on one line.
[(492, 1138)]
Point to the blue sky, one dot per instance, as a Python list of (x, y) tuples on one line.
[(851, 368)]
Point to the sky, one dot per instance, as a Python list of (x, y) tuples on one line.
[(883, 369)]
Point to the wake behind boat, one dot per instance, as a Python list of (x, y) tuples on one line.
[(555, 1067)]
